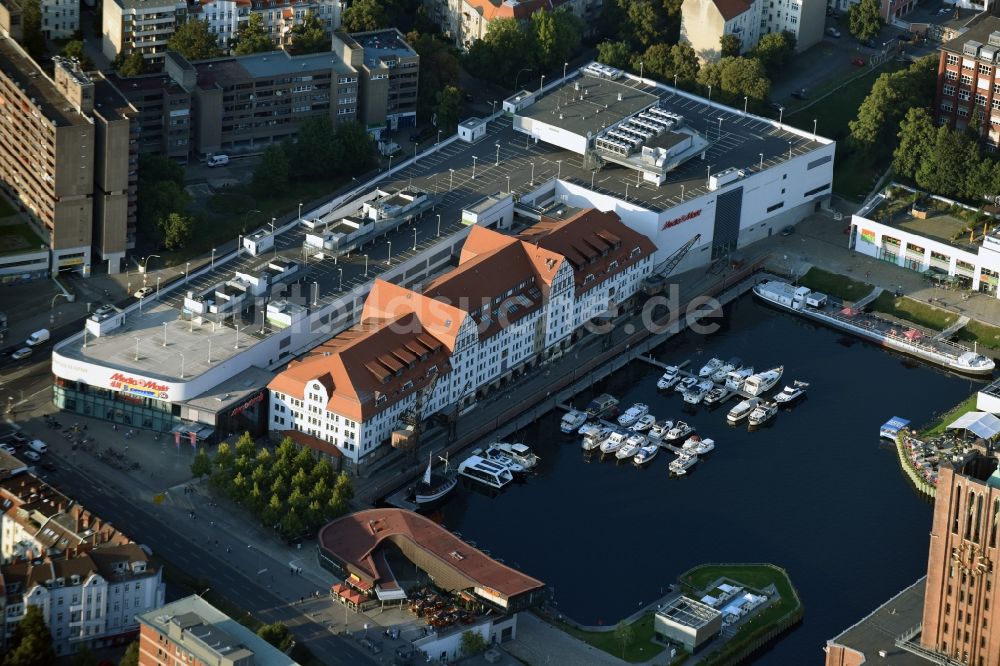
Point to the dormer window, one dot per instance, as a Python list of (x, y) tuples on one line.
[(613, 265), (408, 384)]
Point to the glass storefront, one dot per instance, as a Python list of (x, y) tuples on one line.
[(114, 406)]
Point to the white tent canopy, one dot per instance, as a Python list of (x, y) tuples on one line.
[(982, 424)]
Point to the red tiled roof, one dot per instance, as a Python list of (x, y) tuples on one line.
[(730, 9)]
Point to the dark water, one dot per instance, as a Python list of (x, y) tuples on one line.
[(815, 493)]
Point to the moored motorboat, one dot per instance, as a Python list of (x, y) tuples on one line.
[(679, 431), (760, 383), (691, 443), (645, 454), (638, 439), (496, 455), (709, 368), (704, 446), (659, 429), (594, 440), (742, 410), (589, 427), (790, 394), (671, 376), (763, 413), (724, 369), (682, 463), (633, 414), (735, 379), (716, 395), (644, 423), (697, 393), (613, 442), (485, 471), (628, 450), (571, 421), (601, 404), (686, 383), (519, 453)]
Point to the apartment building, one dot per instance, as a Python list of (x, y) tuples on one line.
[(388, 76), (509, 304), (163, 116), (466, 21), (139, 25), (967, 80), (192, 631), (89, 580), (226, 16), (66, 155), (60, 18), (704, 22)]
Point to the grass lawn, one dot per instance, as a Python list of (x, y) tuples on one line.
[(832, 284), (18, 237), (919, 313), (983, 334), (937, 426), (642, 648)]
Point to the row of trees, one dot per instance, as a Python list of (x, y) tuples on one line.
[(321, 152), (195, 41), (290, 489), (163, 202)]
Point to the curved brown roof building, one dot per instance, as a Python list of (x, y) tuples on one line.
[(354, 545)]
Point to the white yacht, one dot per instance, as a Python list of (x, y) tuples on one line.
[(633, 414), (691, 443), (727, 367), (760, 383), (679, 431), (763, 413), (686, 383), (697, 393), (644, 423), (519, 453), (671, 376), (571, 421), (645, 454), (485, 471), (735, 379), (593, 440), (709, 368), (790, 394), (613, 442), (637, 438), (704, 446), (741, 411), (659, 429), (628, 450), (716, 395), (496, 455), (682, 463), (590, 427)]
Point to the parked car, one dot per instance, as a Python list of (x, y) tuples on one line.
[(19, 438), (858, 62), (144, 292), (23, 352), (32, 456), (217, 160), (7, 448), (833, 32)]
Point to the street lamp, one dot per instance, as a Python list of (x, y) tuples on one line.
[(414, 239), (316, 292), (187, 267), (164, 334), (498, 154), (247, 214), (508, 184), (781, 114), (516, 78), (158, 285), (474, 158), (366, 265), (300, 211), (710, 95), (532, 173), (137, 343), (340, 279), (494, 111), (566, 64), (388, 258), (761, 161), (439, 138), (720, 128), (182, 364), (640, 71), (815, 122), (541, 86), (273, 243), (213, 257), (746, 101), (439, 225), (146, 261), (451, 180), (558, 169), (789, 150), (682, 191)]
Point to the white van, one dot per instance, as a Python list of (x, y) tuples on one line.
[(217, 160), (38, 337), (38, 446)]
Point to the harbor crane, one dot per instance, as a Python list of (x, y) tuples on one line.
[(655, 282), (408, 437)]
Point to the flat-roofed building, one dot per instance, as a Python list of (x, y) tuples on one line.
[(687, 622), (388, 72), (164, 113), (145, 26)]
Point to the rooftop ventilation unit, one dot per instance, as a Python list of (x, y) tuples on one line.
[(994, 39), (971, 48)]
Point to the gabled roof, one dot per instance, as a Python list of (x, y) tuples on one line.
[(388, 301), (730, 9)]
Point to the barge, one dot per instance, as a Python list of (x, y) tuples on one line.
[(816, 306)]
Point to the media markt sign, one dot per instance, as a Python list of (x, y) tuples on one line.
[(147, 388), (683, 218)]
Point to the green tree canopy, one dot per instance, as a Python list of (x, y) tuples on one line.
[(448, 104), (277, 634), (893, 94), (201, 465), (131, 656), (472, 643), (735, 78), (916, 135), (730, 45), (438, 69), (624, 635), (503, 52), (774, 50), (614, 54), (271, 174), (74, 49), (364, 15), (309, 36), (84, 657), (252, 37), (864, 19), (664, 62), (177, 229), (31, 644), (131, 65), (356, 148), (557, 37), (195, 41), (942, 170)]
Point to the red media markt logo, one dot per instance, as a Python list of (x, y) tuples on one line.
[(683, 218)]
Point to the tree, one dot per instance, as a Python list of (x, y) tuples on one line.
[(131, 65), (893, 94), (774, 50), (864, 19), (31, 644), (665, 62), (942, 169), (84, 657), (154, 168), (472, 643), (646, 23), (364, 15), (557, 37), (438, 68), (252, 37), (736, 78), (624, 634), (201, 465), (245, 446), (505, 50), (31, 24), (271, 175), (448, 103), (195, 41), (344, 486), (614, 54), (916, 136), (74, 49), (161, 192), (730, 45), (177, 229), (277, 634), (356, 148), (309, 36), (131, 656)]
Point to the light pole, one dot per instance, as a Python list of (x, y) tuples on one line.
[(245, 216), (781, 114), (340, 279), (815, 122), (439, 138), (532, 173), (213, 257), (316, 292), (516, 78), (300, 211), (273, 243), (137, 343), (508, 184), (626, 191), (710, 95), (541, 85), (366, 265), (494, 111), (566, 64), (558, 169), (761, 161), (187, 267), (497, 163), (474, 158), (593, 175), (746, 101), (182, 364), (145, 262), (640, 71), (158, 285), (388, 258), (789, 150), (682, 191), (414, 240), (720, 129), (675, 84), (439, 225), (451, 180), (164, 334)]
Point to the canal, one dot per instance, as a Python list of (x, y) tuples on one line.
[(815, 492)]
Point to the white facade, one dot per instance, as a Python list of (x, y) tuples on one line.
[(60, 18)]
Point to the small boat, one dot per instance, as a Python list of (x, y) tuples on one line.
[(589, 427), (644, 423), (638, 439), (601, 404), (633, 414), (682, 463), (736, 378), (697, 393), (741, 411), (628, 450), (433, 487), (571, 421), (679, 431), (594, 440), (790, 394), (516, 468), (691, 443), (686, 383), (645, 454), (709, 368), (704, 446), (762, 382), (519, 453), (671, 376), (763, 413), (659, 429), (485, 471), (716, 395), (613, 442), (720, 374)]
